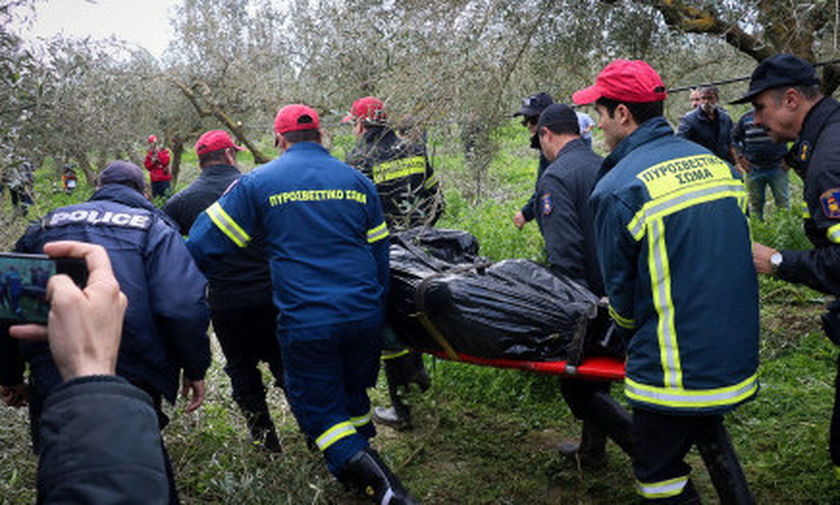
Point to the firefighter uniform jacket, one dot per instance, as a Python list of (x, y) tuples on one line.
[(817, 161), (166, 318), (404, 179), (325, 235), (675, 253)]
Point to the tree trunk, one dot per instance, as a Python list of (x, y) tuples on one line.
[(177, 151)]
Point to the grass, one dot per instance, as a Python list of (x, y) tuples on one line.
[(489, 436)]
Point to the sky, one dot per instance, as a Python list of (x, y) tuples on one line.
[(141, 22)]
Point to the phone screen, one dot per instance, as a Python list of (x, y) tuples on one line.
[(23, 287)]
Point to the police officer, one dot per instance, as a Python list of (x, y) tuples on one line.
[(530, 111), (785, 92), (665, 211), (328, 252), (410, 194), (166, 320), (244, 318), (565, 221)]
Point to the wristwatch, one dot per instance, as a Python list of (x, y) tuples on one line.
[(775, 261)]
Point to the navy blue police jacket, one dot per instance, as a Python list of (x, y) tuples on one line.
[(528, 209), (817, 161), (166, 318), (325, 230), (564, 216), (236, 280), (674, 249)]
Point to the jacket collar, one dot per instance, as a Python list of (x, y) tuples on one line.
[(651, 129), (219, 169), (124, 195), (573, 145)]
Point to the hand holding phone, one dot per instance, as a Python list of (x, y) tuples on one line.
[(84, 325)]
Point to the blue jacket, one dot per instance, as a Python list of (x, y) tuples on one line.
[(327, 237), (166, 319), (675, 252), (713, 134), (564, 215)]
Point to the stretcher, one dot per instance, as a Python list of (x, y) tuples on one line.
[(595, 367)]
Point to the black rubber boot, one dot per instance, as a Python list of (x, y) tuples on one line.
[(263, 433), (398, 415), (366, 472), (728, 477), (591, 452)]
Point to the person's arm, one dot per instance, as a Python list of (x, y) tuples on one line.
[(100, 439), (617, 253), (164, 157), (177, 297), (377, 237)]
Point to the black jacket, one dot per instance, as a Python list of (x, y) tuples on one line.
[(101, 445), (528, 208), (404, 178), (237, 280), (565, 218), (818, 164), (166, 318), (713, 134)]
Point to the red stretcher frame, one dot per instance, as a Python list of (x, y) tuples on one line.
[(595, 368)]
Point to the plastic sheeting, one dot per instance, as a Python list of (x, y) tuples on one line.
[(443, 295)]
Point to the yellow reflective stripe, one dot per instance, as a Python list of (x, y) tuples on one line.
[(658, 208), (833, 234), (691, 398), (360, 421), (660, 282), (662, 489), (377, 233), (627, 323), (334, 434), (394, 354), (805, 212), (397, 169), (431, 181), (227, 225)]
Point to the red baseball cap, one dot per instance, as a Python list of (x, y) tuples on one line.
[(370, 108), (215, 140), (296, 117), (627, 81)]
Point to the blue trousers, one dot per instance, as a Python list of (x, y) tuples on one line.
[(757, 181), (328, 371)]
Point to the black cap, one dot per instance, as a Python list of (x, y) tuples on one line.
[(779, 71), (534, 104), (560, 118), (123, 172)]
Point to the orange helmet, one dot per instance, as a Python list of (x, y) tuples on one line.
[(152, 139)]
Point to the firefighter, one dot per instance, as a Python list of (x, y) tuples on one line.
[(789, 104), (410, 194), (665, 211), (328, 254)]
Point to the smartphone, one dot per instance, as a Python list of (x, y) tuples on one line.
[(23, 284)]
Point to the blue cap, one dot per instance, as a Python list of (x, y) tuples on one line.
[(534, 104), (779, 71), (123, 172)]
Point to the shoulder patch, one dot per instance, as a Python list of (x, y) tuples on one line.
[(136, 220), (830, 201), (546, 204)]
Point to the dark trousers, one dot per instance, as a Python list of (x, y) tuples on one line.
[(248, 335), (328, 371), (160, 188), (661, 442)]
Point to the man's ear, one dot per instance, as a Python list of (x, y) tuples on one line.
[(622, 114), (278, 139)]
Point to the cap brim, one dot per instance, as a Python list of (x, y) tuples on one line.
[(347, 118), (238, 148), (587, 95)]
